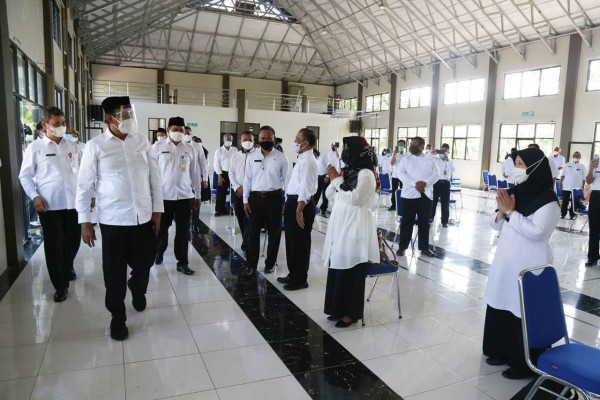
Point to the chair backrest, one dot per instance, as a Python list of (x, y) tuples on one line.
[(502, 184), (493, 180), (486, 175), (575, 193), (385, 181), (399, 202), (215, 181), (558, 189), (542, 308)]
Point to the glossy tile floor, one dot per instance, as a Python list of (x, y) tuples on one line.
[(211, 337)]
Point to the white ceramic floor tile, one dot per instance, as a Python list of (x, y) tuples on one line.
[(460, 391), (21, 361), (206, 395), (226, 335), (81, 326), (467, 322), (28, 311), (106, 383), (155, 318), (162, 343), (71, 355), (252, 363), (279, 388), (371, 342), (202, 294), (423, 332), (25, 332), (498, 387), (166, 377), (17, 389), (210, 313)]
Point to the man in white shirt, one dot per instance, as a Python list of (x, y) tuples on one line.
[(384, 162), (180, 176), (573, 177), (121, 168), (78, 142), (161, 135), (333, 157), (323, 181), (553, 167), (299, 211), (266, 173), (593, 179), (237, 174), (49, 178), (558, 160), (441, 189), (221, 167), (418, 174), (202, 170), (39, 129), (508, 167), (397, 157)]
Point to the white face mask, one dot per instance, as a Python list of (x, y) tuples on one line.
[(176, 135), (59, 131), (556, 153), (297, 147), (576, 160), (427, 151), (248, 145), (128, 126), (228, 143), (162, 138), (520, 175), (186, 138)]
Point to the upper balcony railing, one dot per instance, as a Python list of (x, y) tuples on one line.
[(207, 97)]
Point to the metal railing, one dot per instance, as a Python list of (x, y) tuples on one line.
[(201, 96), (102, 89), (273, 101)]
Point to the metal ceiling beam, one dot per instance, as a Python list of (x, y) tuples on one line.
[(566, 12), (543, 39)]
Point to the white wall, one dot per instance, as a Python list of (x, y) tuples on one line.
[(207, 81), (59, 75), (124, 74), (411, 117), (25, 27), (586, 110), (3, 257), (376, 86), (254, 85), (348, 90), (316, 90)]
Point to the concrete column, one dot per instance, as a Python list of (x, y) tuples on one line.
[(285, 89), (241, 114), (392, 120), (568, 115), (359, 97), (10, 149), (488, 124), (161, 97), (48, 52), (435, 94), (226, 99), (304, 103)]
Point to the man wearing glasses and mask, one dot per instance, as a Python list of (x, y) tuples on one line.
[(121, 168)]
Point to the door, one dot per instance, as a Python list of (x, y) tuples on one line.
[(316, 130)]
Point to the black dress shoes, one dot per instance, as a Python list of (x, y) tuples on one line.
[(400, 252), (137, 301), (342, 324), (118, 329), (332, 318), (269, 269), (428, 253), (247, 273), (158, 260), (61, 295), (283, 279), (512, 374), (72, 275), (295, 286), (185, 269), (494, 361), (591, 263)]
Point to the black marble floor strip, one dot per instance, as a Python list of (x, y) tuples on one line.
[(10, 275), (324, 368)]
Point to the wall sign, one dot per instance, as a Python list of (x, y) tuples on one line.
[(528, 114), (191, 124)]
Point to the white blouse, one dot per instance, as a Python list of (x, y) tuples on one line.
[(351, 236), (524, 243)]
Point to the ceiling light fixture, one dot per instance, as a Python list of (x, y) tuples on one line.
[(382, 5), (324, 32)]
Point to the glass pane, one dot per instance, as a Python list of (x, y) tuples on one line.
[(353, 103), (40, 88), (383, 133), (377, 102), (597, 139), (549, 81), (523, 143), (512, 85), (474, 131), (597, 148), (508, 131), (526, 131), (367, 133), (422, 132), (404, 98), (412, 132), (385, 102), (472, 149), (402, 133), (447, 131), (415, 95), (450, 93), (460, 131), (531, 83), (459, 149), (12, 70), (369, 104), (463, 93), (425, 96), (32, 92), (504, 148), (544, 131), (594, 76), (546, 145), (477, 89), (381, 144), (21, 75)]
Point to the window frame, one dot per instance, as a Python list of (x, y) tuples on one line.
[(534, 139), (378, 138), (587, 82), (453, 140), (420, 88), (470, 94), (539, 90), (56, 19), (381, 102), (407, 137)]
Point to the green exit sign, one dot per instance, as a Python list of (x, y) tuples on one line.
[(192, 124), (528, 113)]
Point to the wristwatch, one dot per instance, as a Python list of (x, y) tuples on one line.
[(508, 214)]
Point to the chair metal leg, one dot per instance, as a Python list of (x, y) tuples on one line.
[(573, 223), (372, 288), (535, 388), (584, 225), (264, 244), (398, 285)]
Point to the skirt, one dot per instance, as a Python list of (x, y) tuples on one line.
[(345, 292), (503, 339), (205, 194)]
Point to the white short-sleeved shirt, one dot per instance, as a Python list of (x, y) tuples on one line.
[(574, 174)]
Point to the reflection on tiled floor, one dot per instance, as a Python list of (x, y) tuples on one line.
[(210, 337)]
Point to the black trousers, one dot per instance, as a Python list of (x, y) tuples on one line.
[(441, 192), (321, 188), (265, 211), (594, 223), (566, 200), (238, 204), (180, 211), (222, 192), (411, 208), (396, 184), (62, 237), (121, 246), (345, 292), (298, 240)]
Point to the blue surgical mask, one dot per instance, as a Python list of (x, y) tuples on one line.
[(228, 143), (400, 148), (69, 137)]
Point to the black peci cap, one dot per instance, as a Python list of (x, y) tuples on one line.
[(176, 121), (111, 104), (163, 130)]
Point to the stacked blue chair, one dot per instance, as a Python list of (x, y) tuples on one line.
[(558, 189), (502, 184), (213, 190), (575, 193), (486, 181), (456, 187), (572, 365)]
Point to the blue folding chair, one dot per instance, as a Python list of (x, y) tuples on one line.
[(456, 187), (575, 193), (558, 189), (399, 215), (386, 184), (486, 180), (493, 183), (502, 184), (213, 190), (572, 365)]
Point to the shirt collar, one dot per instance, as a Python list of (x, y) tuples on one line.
[(108, 134), (305, 154), (47, 140)]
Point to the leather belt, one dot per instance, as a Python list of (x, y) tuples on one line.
[(267, 194)]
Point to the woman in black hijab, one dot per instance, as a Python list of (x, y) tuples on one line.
[(526, 217), (351, 239)]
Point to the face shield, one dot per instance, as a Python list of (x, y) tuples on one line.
[(126, 120)]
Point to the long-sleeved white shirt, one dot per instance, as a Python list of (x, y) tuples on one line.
[(559, 162), (202, 163), (384, 164), (414, 169), (222, 158), (50, 170), (445, 168), (305, 178), (332, 158), (595, 185), (574, 174), (178, 165), (396, 167), (322, 164), (508, 167), (237, 169), (265, 174), (125, 177)]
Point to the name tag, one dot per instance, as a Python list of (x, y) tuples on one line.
[(50, 155), (166, 152), (257, 160)]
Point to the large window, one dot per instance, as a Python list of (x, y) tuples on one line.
[(534, 83), (348, 104), (378, 102), (593, 82), (56, 26), (468, 91), (407, 133), (378, 138), (463, 141), (417, 97), (520, 136)]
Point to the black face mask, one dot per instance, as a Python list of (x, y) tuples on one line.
[(344, 156), (414, 149), (266, 145)]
